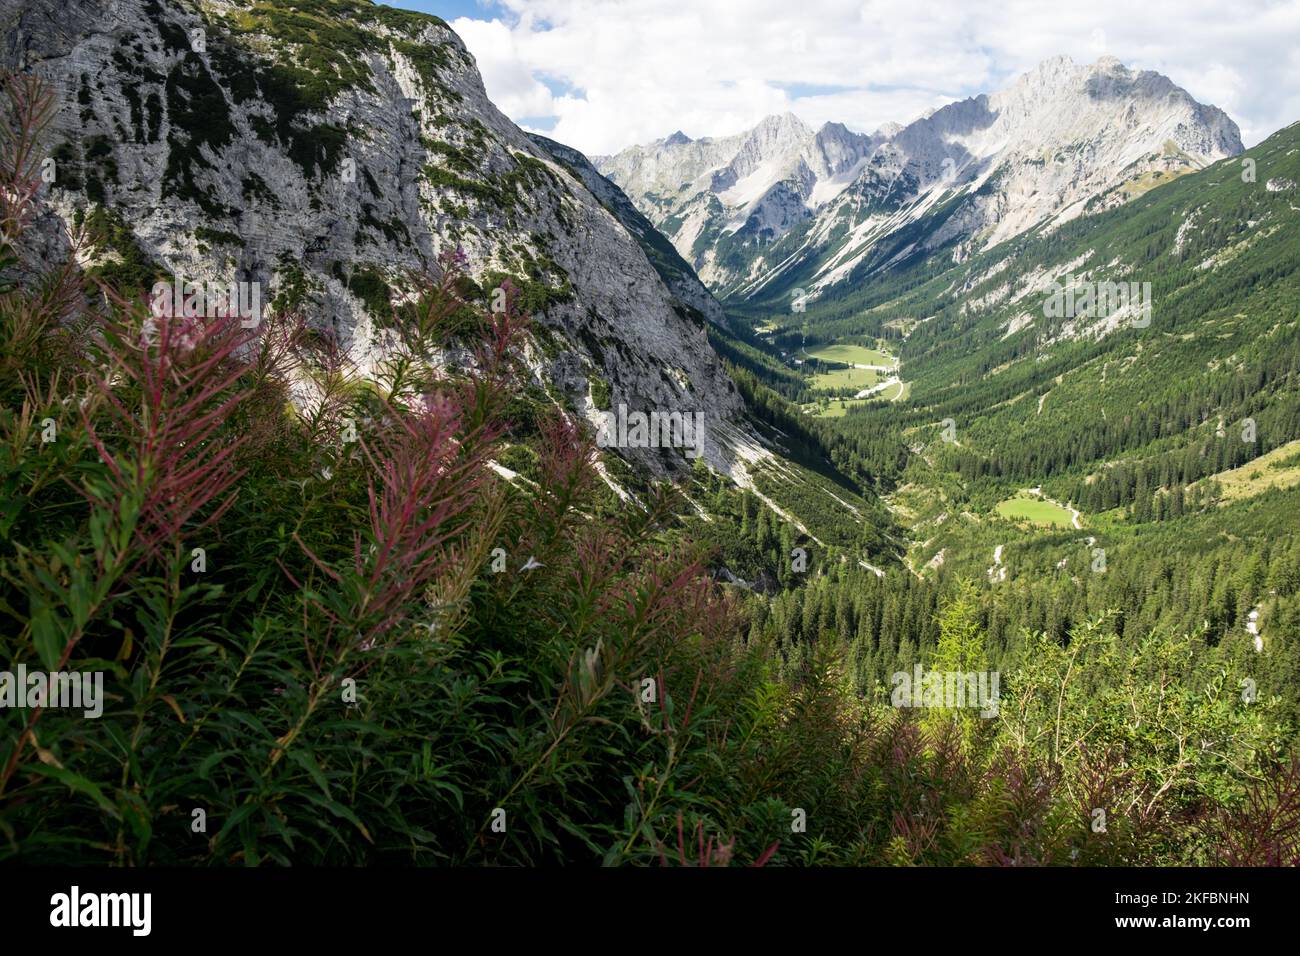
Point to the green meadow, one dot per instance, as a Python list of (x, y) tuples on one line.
[(847, 378), (852, 355), (837, 408), (1034, 509)]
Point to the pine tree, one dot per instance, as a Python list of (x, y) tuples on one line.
[(960, 651)]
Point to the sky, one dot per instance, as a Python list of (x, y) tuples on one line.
[(601, 75)]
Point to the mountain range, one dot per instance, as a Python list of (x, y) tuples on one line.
[(784, 205)]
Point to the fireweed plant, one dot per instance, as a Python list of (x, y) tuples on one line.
[(332, 632)]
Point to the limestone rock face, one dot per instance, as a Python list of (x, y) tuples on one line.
[(327, 148), (677, 275)]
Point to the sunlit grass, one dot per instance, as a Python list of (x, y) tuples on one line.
[(852, 355), (1034, 509)]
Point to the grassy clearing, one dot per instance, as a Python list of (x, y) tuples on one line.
[(837, 408), (847, 378), (1280, 468), (1145, 182), (852, 355), (1034, 509)]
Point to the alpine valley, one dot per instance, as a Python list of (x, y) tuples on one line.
[(1009, 391)]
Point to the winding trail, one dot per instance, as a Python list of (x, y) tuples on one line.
[(878, 387)]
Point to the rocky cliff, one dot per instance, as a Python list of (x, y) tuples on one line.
[(326, 148)]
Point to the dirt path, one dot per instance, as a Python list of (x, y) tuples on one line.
[(879, 387)]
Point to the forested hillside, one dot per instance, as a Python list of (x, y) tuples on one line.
[(1141, 473), (1131, 426)]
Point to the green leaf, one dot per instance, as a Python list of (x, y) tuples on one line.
[(211, 760), (340, 811), (48, 637), (79, 784), (241, 813), (305, 760)]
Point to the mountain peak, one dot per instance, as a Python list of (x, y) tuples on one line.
[(1051, 71), (677, 139), (783, 121), (1062, 69), (1057, 137)]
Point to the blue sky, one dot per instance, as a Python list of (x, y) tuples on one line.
[(451, 9), (604, 74)]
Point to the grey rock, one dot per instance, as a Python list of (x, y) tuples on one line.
[(224, 163)]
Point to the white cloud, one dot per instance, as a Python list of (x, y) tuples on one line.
[(513, 87), (615, 72)]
